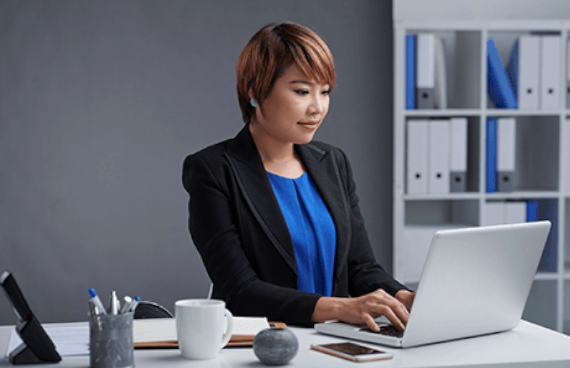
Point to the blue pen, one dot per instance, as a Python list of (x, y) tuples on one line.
[(134, 304), (96, 301)]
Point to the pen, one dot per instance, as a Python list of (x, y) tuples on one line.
[(93, 308), (96, 301), (94, 312), (126, 305), (114, 308), (134, 304)]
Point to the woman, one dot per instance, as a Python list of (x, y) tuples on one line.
[(274, 215)]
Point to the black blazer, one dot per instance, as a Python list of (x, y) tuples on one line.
[(238, 228)]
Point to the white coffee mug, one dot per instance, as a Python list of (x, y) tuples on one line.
[(201, 327)]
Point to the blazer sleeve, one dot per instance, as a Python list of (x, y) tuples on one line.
[(364, 272), (214, 227)]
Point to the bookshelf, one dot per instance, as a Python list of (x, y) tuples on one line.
[(539, 146)]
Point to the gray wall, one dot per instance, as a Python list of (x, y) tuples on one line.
[(100, 101)]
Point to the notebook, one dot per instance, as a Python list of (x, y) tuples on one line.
[(475, 281)]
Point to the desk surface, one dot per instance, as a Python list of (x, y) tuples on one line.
[(528, 345)]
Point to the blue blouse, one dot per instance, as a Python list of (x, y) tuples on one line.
[(312, 231)]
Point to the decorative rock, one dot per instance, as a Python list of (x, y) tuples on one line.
[(275, 346)]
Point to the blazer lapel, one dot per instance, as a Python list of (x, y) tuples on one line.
[(323, 169), (258, 193)]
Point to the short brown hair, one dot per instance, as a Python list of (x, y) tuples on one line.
[(270, 52)]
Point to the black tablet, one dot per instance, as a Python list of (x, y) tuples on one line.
[(36, 347)]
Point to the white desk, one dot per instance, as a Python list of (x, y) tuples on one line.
[(528, 345)]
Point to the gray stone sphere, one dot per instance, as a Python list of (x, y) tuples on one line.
[(275, 346)]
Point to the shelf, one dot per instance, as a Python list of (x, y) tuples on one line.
[(544, 276), (541, 156), (484, 195), (522, 195), (478, 25), (566, 240), (519, 112), (537, 154), (442, 113), (462, 58), (505, 40), (456, 213), (566, 315), (441, 226), (473, 153), (441, 197), (479, 112)]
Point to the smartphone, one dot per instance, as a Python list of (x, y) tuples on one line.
[(352, 351)]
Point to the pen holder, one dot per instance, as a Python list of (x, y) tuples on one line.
[(111, 340)]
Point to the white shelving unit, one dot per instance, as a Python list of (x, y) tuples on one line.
[(417, 217)]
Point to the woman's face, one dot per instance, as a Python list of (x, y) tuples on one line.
[(294, 109)]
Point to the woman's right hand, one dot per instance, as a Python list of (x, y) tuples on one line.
[(363, 309)]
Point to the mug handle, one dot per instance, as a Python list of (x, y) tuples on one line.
[(230, 329)]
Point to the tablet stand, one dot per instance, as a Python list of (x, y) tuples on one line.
[(36, 347)]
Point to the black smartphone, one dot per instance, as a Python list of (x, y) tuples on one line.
[(352, 351)]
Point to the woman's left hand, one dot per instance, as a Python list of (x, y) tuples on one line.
[(406, 297)]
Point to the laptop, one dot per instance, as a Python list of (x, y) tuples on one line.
[(475, 281)]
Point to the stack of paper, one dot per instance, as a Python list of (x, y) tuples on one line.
[(69, 340), (73, 339)]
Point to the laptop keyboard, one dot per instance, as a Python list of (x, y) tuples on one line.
[(389, 330)]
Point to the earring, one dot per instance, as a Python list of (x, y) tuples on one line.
[(253, 102)]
